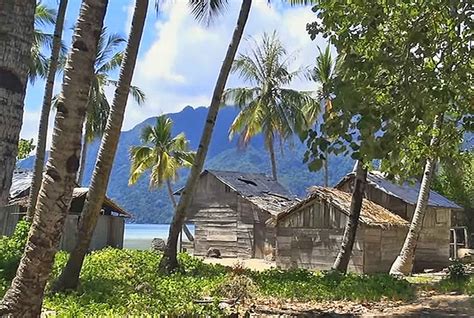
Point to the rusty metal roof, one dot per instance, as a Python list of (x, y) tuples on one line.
[(407, 192), (371, 214)]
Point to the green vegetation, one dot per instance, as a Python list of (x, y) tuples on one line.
[(25, 147), (119, 282), (11, 249)]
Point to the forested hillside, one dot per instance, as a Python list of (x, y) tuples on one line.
[(153, 206)]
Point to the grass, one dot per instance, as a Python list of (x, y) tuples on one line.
[(124, 282)]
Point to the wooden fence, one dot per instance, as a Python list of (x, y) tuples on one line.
[(9, 217)]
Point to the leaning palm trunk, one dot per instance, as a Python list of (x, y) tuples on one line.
[(69, 278), (403, 264), (188, 233), (16, 37), (169, 260), (45, 110), (326, 169), (342, 260), (24, 298)]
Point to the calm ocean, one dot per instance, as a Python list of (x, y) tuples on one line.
[(139, 236)]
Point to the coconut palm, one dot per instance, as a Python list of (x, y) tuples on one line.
[(324, 73), (268, 107), (25, 296), (161, 154), (205, 10), (403, 264), (46, 108), (69, 277), (16, 25), (108, 59)]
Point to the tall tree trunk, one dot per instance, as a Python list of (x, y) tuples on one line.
[(271, 151), (188, 233), (169, 260), (403, 264), (343, 257), (24, 298), (82, 165), (45, 110), (16, 37), (69, 278)]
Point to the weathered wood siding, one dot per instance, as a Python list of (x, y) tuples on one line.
[(433, 245), (311, 238), (226, 221), (381, 247), (9, 217)]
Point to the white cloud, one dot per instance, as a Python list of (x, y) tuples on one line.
[(181, 66)]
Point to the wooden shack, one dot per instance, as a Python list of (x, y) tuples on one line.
[(433, 248), (110, 225), (309, 234), (230, 209)]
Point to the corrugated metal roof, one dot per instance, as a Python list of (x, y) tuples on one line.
[(371, 213), (406, 192), (21, 182)]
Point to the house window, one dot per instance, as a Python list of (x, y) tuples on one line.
[(227, 189)]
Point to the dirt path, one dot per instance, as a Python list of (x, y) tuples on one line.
[(430, 306)]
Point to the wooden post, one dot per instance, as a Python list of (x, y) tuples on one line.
[(455, 248)]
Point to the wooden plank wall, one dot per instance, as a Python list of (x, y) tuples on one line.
[(381, 247), (311, 238), (9, 217)]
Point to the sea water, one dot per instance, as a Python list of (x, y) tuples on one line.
[(139, 236)]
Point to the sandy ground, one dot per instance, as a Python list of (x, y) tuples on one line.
[(250, 263)]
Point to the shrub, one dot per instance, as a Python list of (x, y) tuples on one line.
[(457, 270), (11, 250)]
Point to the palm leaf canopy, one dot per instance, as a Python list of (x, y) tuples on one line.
[(160, 153), (269, 107)]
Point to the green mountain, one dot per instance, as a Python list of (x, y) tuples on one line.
[(153, 206)]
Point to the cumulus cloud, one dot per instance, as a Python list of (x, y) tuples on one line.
[(181, 64)]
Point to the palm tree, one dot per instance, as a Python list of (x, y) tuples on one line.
[(268, 107), (203, 9), (16, 25), (46, 108), (162, 154), (69, 277), (324, 73), (108, 59), (403, 264), (24, 298)]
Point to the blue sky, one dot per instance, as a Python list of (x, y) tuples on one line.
[(179, 58)]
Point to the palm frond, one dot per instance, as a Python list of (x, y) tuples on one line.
[(44, 15), (205, 11)]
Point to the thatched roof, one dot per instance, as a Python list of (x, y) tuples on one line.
[(371, 214), (258, 188), (407, 192), (20, 189)]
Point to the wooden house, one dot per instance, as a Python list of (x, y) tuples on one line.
[(110, 225), (433, 248), (230, 210), (309, 234)]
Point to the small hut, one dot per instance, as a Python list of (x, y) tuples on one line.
[(110, 225), (433, 248), (230, 209), (309, 234)]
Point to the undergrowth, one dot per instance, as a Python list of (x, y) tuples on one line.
[(126, 283)]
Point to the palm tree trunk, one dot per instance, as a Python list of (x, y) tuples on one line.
[(271, 150), (25, 296), (169, 260), (343, 257), (45, 110), (69, 278), (82, 165), (16, 29), (188, 233), (403, 264)]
